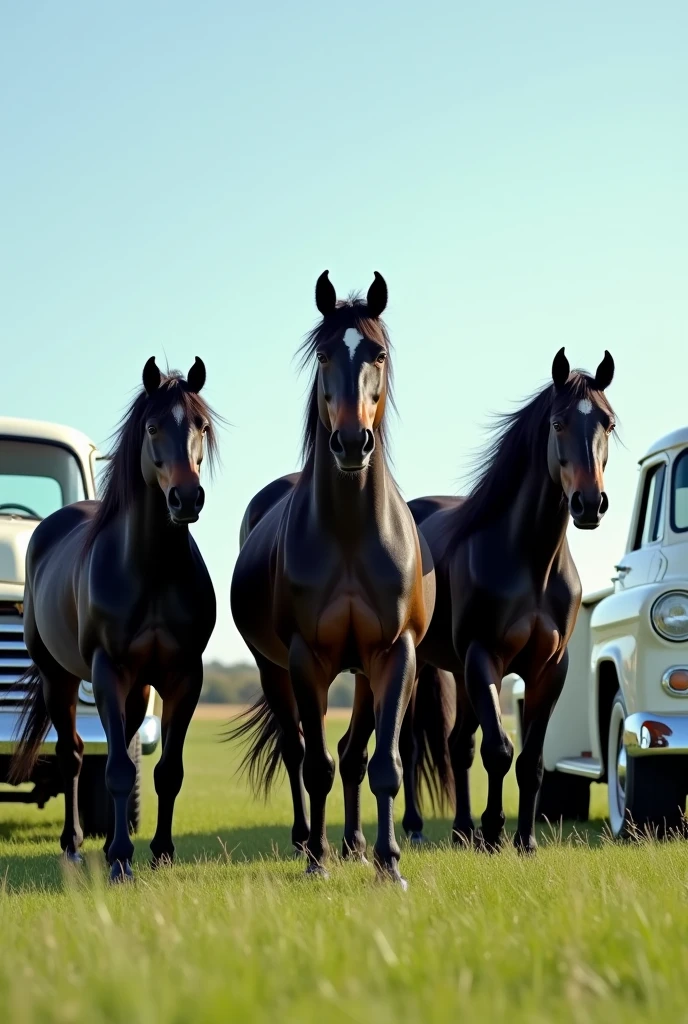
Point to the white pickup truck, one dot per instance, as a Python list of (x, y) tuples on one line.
[(44, 466), (622, 718)]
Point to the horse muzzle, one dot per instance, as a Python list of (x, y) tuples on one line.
[(185, 503), (587, 510), (352, 448)]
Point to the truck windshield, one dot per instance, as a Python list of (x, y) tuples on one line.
[(679, 497), (37, 478)]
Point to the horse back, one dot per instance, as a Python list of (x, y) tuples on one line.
[(423, 508), (263, 501)]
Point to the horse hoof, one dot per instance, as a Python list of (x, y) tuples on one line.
[(416, 838), (355, 857), (165, 860), (393, 875), (462, 839), (72, 857), (526, 847), (488, 843), (121, 872), (317, 871)]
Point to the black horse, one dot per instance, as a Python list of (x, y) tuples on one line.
[(117, 593), (332, 575), (508, 592)]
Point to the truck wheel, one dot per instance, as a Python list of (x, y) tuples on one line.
[(94, 799), (563, 797), (647, 795)]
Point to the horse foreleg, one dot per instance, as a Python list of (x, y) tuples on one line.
[(483, 676), (310, 689), (136, 705), (353, 761), (462, 754), (177, 711), (392, 677), (110, 690), (540, 699)]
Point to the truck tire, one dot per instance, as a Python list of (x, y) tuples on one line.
[(563, 797), (647, 795), (94, 799)]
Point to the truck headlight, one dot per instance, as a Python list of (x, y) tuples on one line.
[(670, 615)]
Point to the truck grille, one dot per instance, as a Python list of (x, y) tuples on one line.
[(14, 657)]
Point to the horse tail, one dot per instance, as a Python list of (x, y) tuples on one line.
[(33, 726), (260, 731), (433, 715)]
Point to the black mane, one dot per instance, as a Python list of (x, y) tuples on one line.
[(353, 312), (519, 437), (122, 479)]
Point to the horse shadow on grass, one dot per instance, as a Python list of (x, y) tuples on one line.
[(45, 870)]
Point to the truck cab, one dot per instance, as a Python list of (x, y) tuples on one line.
[(622, 717), (44, 466)]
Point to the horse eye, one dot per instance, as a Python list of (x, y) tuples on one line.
[(152, 430), (381, 358), (322, 358), (558, 427)]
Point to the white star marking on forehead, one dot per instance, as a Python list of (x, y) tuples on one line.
[(178, 413), (352, 339), (585, 406)]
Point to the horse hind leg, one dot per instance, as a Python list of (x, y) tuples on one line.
[(60, 693), (279, 695), (353, 761), (462, 754), (412, 822), (483, 677)]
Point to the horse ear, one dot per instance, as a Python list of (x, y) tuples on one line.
[(325, 295), (151, 376), (560, 369), (377, 296), (605, 372), (195, 378)]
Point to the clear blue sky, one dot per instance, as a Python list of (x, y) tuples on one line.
[(175, 175)]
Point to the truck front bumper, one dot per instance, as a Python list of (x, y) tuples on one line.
[(88, 726), (646, 733)]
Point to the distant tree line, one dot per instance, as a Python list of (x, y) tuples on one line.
[(240, 684)]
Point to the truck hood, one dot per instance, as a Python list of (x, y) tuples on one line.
[(15, 534)]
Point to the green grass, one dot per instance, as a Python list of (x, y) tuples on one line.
[(586, 931)]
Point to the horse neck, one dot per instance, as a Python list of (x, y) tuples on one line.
[(151, 540), (348, 503), (539, 518)]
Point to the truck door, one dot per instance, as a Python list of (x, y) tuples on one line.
[(644, 562)]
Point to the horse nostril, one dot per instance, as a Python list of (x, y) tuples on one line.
[(369, 443), (200, 499), (604, 504), (576, 506), (336, 446), (174, 499)]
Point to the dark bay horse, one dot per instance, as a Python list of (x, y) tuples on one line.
[(508, 592), (332, 576), (117, 593)]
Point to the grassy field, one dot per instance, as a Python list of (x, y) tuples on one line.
[(586, 931)]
